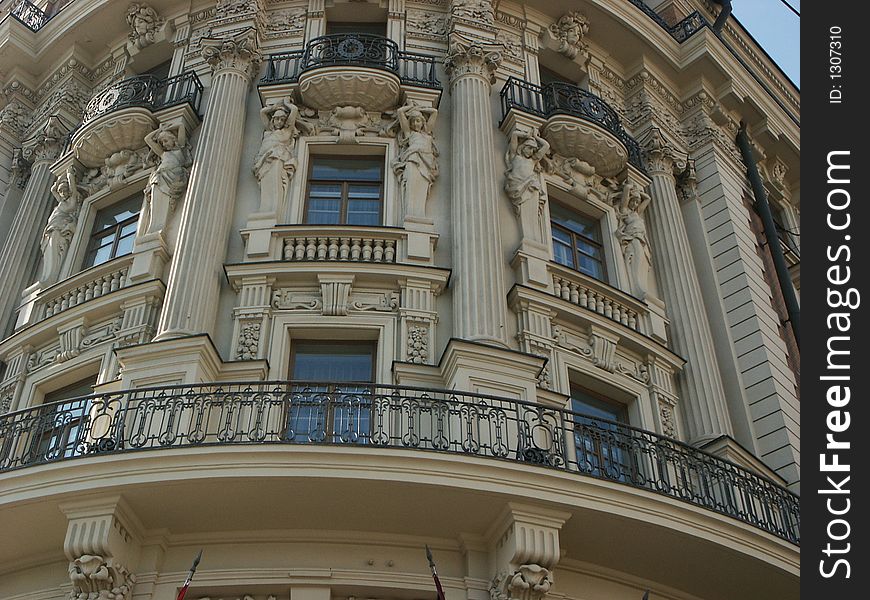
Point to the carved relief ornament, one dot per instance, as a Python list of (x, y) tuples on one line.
[(471, 59), (238, 53)]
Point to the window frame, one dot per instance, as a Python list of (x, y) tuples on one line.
[(333, 418), (116, 237), (345, 183), (575, 252), (603, 454)]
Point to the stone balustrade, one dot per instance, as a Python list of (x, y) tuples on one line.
[(598, 297), (376, 245), (87, 285)]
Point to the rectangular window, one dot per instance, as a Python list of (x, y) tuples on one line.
[(602, 445), (113, 231), (345, 191), (331, 401), (577, 241), (59, 423)]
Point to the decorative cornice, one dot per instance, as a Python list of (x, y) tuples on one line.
[(238, 53)]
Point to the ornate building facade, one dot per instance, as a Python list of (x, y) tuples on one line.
[(309, 284)]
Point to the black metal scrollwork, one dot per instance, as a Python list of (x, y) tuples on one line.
[(383, 416)]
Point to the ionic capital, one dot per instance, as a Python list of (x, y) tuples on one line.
[(237, 53), (471, 59)]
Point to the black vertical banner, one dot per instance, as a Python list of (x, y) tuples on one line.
[(835, 252)]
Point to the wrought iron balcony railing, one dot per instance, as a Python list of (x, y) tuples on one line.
[(567, 99), (359, 49), (28, 14), (146, 91), (679, 31), (383, 416)]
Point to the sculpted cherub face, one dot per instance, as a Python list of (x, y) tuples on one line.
[(63, 189)]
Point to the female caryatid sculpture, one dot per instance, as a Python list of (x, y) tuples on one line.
[(169, 179), (417, 163), (632, 235), (524, 181), (61, 226), (275, 163)]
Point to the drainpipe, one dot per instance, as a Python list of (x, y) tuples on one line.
[(723, 15), (763, 208)]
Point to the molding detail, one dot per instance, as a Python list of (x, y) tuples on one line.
[(47, 143), (94, 577), (238, 53), (471, 59)]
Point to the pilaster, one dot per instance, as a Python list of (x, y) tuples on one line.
[(702, 393), (194, 278), (478, 291), (20, 251)]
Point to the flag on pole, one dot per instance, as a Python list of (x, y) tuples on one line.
[(438, 587), (183, 591)]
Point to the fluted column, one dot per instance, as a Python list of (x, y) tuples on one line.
[(702, 394), (193, 287), (479, 311), (21, 247)]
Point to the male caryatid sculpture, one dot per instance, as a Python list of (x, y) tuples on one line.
[(524, 182), (417, 164), (632, 235), (61, 226), (275, 163), (169, 179)]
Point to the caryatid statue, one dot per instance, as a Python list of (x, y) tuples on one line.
[(632, 236), (61, 225), (524, 181), (417, 163), (169, 178), (275, 163)]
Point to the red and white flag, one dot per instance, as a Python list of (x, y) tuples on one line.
[(438, 587), (183, 591)]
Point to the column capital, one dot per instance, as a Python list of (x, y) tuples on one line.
[(468, 58), (239, 52), (660, 156), (47, 143)]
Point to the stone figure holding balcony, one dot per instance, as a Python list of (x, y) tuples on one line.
[(417, 163), (275, 163), (524, 182), (632, 236), (168, 181), (61, 226)]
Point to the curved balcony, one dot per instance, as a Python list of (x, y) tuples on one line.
[(133, 100), (351, 69), (578, 123), (383, 416), (28, 14)]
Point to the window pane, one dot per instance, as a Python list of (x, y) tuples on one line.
[(562, 253), (364, 212), (577, 223), (125, 245), (344, 169), (118, 212), (332, 362), (98, 256), (324, 211), (590, 266)]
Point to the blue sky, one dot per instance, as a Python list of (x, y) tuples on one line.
[(776, 28)]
